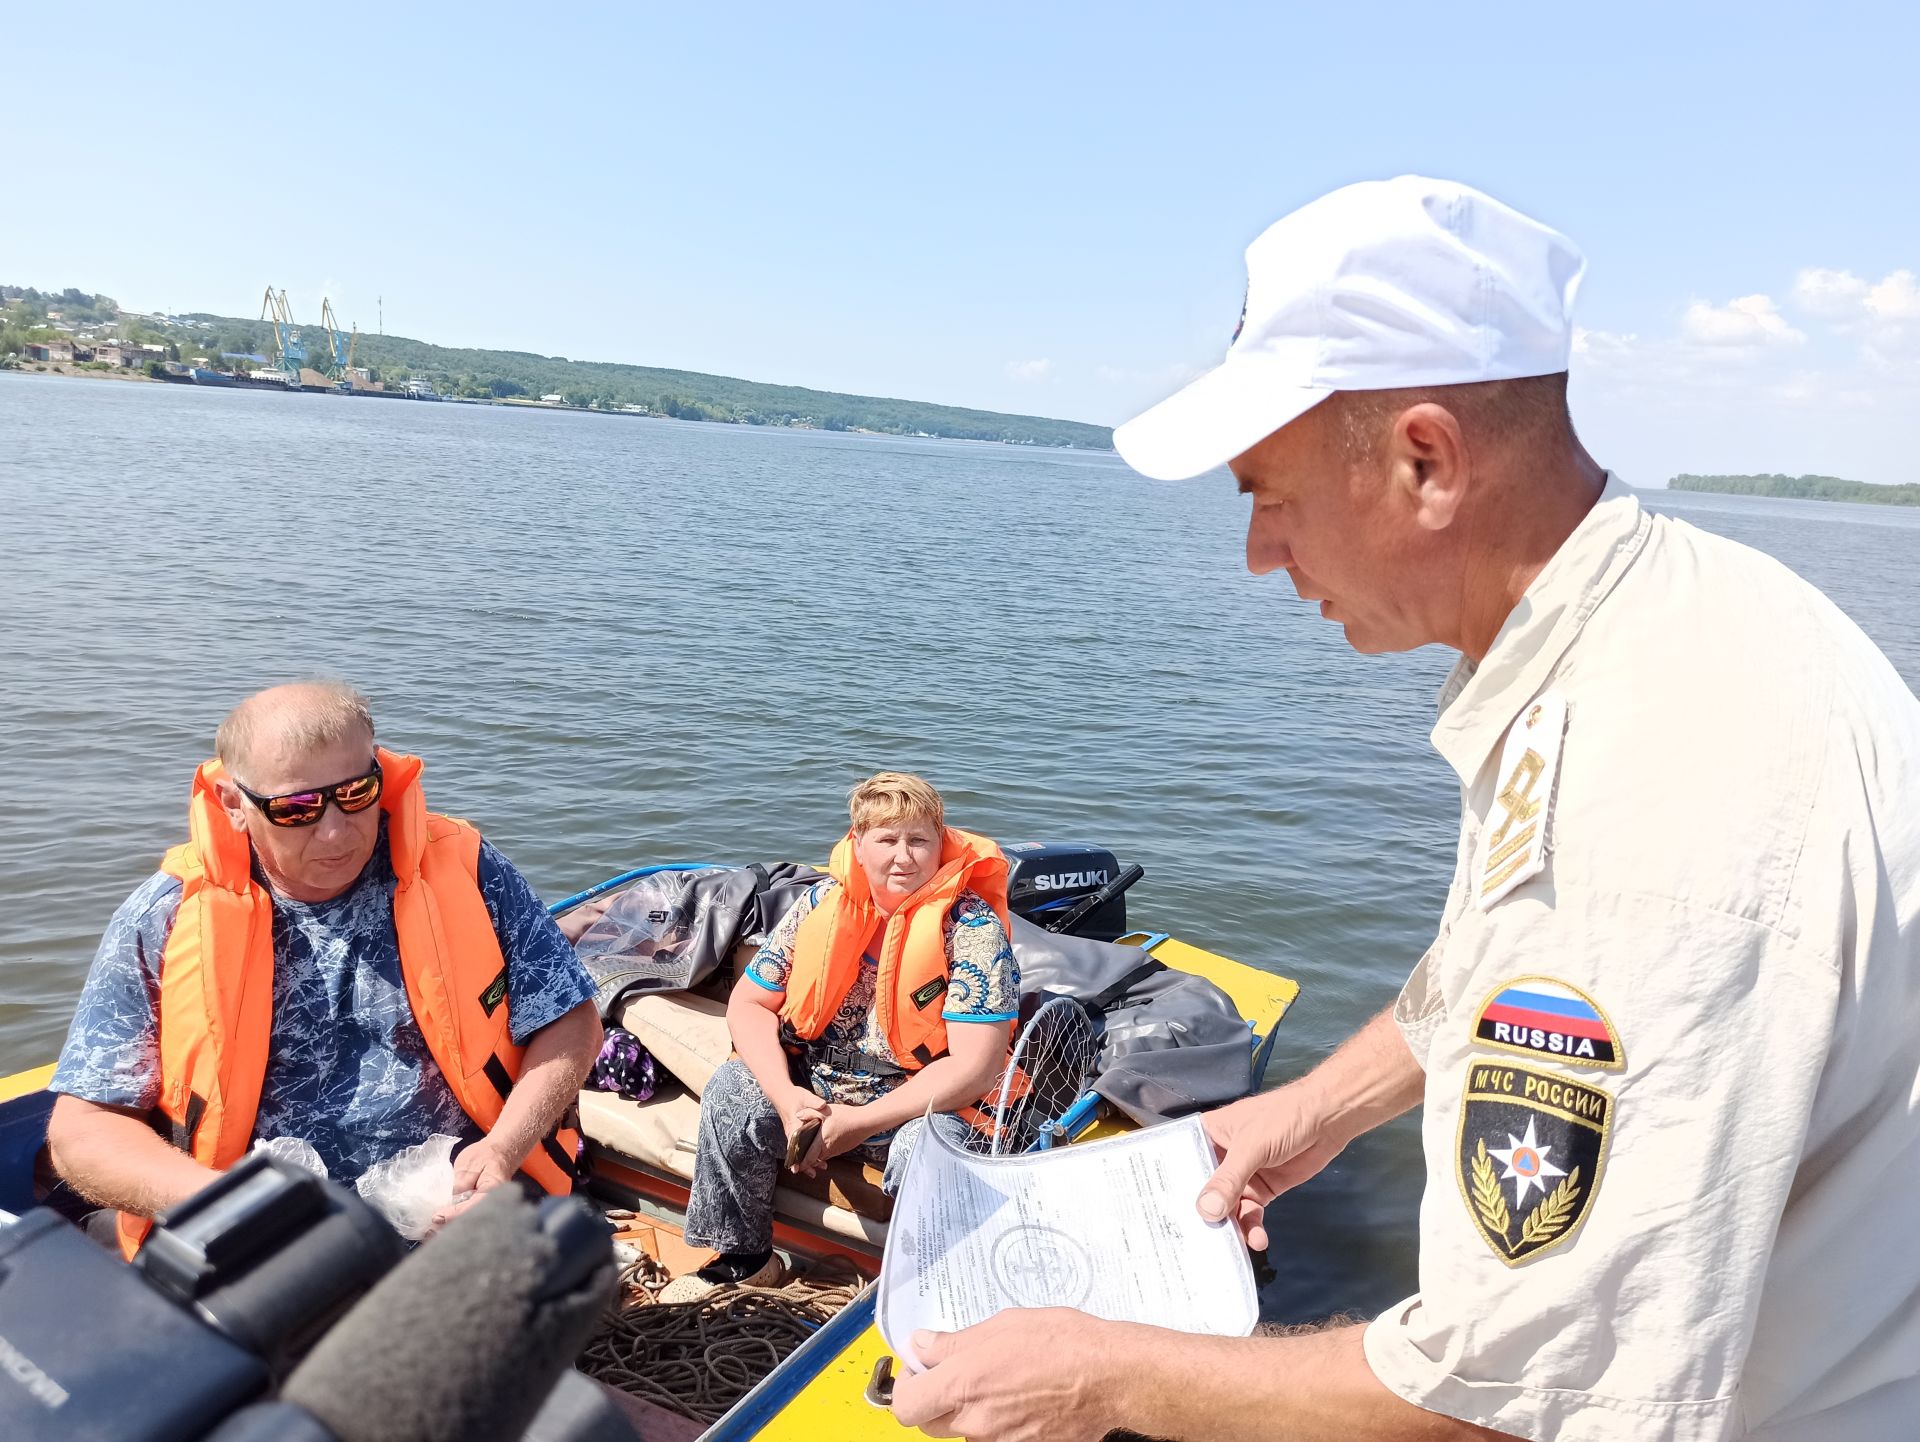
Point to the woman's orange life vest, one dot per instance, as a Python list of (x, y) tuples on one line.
[(216, 979), (912, 985)]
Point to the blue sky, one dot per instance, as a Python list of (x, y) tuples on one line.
[(1036, 208)]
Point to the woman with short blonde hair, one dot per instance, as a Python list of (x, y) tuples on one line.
[(887, 993), (888, 798)]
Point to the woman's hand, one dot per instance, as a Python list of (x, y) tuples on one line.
[(798, 1107), (845, 1127)]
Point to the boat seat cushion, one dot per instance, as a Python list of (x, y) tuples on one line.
[(686, 1034)]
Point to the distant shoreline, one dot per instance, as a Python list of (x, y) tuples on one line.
[(76, 322), (73, 372), (1799, 488)]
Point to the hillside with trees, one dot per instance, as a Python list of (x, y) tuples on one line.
[(1800, 488), (227, 342), (28, 316)]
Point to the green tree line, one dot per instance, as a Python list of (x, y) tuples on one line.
[(692, 395), (1800, 488)]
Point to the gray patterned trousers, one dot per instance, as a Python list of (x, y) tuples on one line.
[(742, 1148)]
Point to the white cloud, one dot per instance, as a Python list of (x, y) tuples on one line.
[(1740, 386), (1029, 370), (1752, 320), (1896, 299), (1603, 345), (1829, 294), (1883, 308)]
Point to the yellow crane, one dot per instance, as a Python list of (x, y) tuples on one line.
[(343, 347), (289, 353)]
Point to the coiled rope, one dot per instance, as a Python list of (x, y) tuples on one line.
[(699, 1358)]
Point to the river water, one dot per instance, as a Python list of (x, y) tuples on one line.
[(618, 640)]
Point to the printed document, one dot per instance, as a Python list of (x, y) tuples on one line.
[(1108, 1227)]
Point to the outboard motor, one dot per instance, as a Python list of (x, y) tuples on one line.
[(1070, 887)]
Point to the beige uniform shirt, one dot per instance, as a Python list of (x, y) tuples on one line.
[(1671, 1023)]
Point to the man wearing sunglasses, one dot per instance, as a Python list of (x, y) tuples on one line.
[(325, 960)]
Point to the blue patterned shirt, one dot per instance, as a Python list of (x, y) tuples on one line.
[(983, 985), (347, 1067)]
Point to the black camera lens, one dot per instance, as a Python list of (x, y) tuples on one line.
[(269, 1255)]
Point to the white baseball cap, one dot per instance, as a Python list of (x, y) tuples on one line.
[(1384, 284)]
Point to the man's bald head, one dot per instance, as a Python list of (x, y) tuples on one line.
[(302, 717)]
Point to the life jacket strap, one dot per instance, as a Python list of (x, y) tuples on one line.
[(496, 1072), (180, 1133), (852, 1059), (557, 1154)]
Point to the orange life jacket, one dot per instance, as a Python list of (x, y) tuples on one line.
[(912, 985), (216, 979)]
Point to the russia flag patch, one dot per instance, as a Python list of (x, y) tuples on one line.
[(1543, 1017)]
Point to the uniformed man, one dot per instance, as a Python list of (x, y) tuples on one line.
[(1668, 1039)]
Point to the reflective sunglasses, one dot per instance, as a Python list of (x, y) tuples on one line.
[(305, 808)]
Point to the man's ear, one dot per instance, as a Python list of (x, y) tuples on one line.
[(233, 803), (1428, 463)]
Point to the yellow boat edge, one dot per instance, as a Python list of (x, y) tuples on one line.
[(25, 1083)]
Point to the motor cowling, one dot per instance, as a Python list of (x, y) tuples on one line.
[(1048, 878)]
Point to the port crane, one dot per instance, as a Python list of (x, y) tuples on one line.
[(289, 353), (343, 345)]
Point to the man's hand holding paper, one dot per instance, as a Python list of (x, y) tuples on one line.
[(1108, 1228), (1268, 1143), (1003, 1379)]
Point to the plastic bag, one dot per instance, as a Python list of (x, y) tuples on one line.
[(648, 938), (672, 930), (409, 1188), (295, 1150)]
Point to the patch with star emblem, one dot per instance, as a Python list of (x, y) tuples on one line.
[(1531, 1150)]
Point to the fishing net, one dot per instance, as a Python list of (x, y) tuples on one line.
[(699, 1358), (1052, 1060)]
